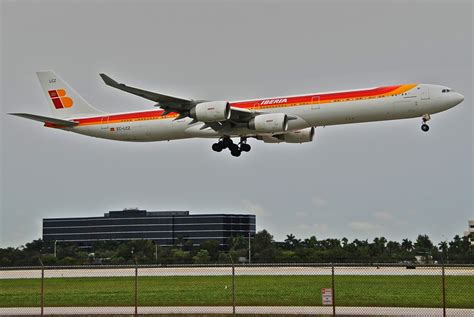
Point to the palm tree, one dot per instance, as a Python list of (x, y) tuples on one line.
[(407, 245), (443, 247), (291, 242)]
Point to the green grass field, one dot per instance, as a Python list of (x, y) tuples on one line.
[(396, 291)]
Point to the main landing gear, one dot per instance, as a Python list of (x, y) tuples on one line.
[(235, 149), (424, 126)]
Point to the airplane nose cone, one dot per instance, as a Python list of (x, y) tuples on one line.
[(454, 99), (459, 98)]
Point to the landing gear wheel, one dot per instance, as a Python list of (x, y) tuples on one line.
[(217, 146), (425, 118), (235, 153), (234, 147), (245, 147)]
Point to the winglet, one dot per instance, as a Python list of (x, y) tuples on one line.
[(109, 81)]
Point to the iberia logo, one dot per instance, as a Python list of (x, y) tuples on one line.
[(60, 99)]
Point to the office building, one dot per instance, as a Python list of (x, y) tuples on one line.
[(166, 228)]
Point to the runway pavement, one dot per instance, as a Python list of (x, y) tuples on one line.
[(274, 310), (219, 271)]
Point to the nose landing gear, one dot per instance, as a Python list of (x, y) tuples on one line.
[(235, 149), (424, 126)]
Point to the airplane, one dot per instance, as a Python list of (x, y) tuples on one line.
[(289, 119)]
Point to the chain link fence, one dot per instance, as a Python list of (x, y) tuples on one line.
[(290, 289)]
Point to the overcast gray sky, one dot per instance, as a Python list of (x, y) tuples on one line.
[(358, 181)]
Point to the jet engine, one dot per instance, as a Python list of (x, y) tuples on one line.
[(269, 123), (211, 111), (300, 136)]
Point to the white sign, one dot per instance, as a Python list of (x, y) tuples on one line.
[(326, 293)]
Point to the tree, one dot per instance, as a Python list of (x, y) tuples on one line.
[(237, 243), (393, 248), (262, 241), (407, 245), (423, 245), (142, 250), (287, 256), (459, 245), (212, 248), (35, 246), (180, 256), (377, 248), (291, 242), (460, 250), (263, 247), (202, 257), (179, 242), (443, 247), (344, 241), (329, 244), (311, 242)]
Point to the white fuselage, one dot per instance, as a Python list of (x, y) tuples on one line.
[(415, 101)]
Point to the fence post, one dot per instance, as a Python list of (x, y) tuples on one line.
[(233, 285), (42, 288), (444, 288), (233, 289), (136, 287), (333, 291)]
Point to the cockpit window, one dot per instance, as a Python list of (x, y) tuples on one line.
[(446, 90)]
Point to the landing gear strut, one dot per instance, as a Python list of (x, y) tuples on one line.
[(424, 126), (244, 146), (235, 149)]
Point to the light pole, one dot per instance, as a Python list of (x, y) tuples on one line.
[(55, 241), (250, 253)]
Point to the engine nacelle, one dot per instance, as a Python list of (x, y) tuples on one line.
[(269, 123), (300, 136), (211, 111)]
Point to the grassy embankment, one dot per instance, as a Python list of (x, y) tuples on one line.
[(396, 291)]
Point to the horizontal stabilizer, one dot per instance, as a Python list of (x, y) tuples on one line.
[(160, 98), (47, 120)]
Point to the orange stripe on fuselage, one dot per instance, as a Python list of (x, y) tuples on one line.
[(126, 117), (260, 104), (325, 97)]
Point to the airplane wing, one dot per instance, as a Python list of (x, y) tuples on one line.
[(46, 120), (163, 100), (182, 106)]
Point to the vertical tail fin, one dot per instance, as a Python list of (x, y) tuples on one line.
[(64, 101)]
